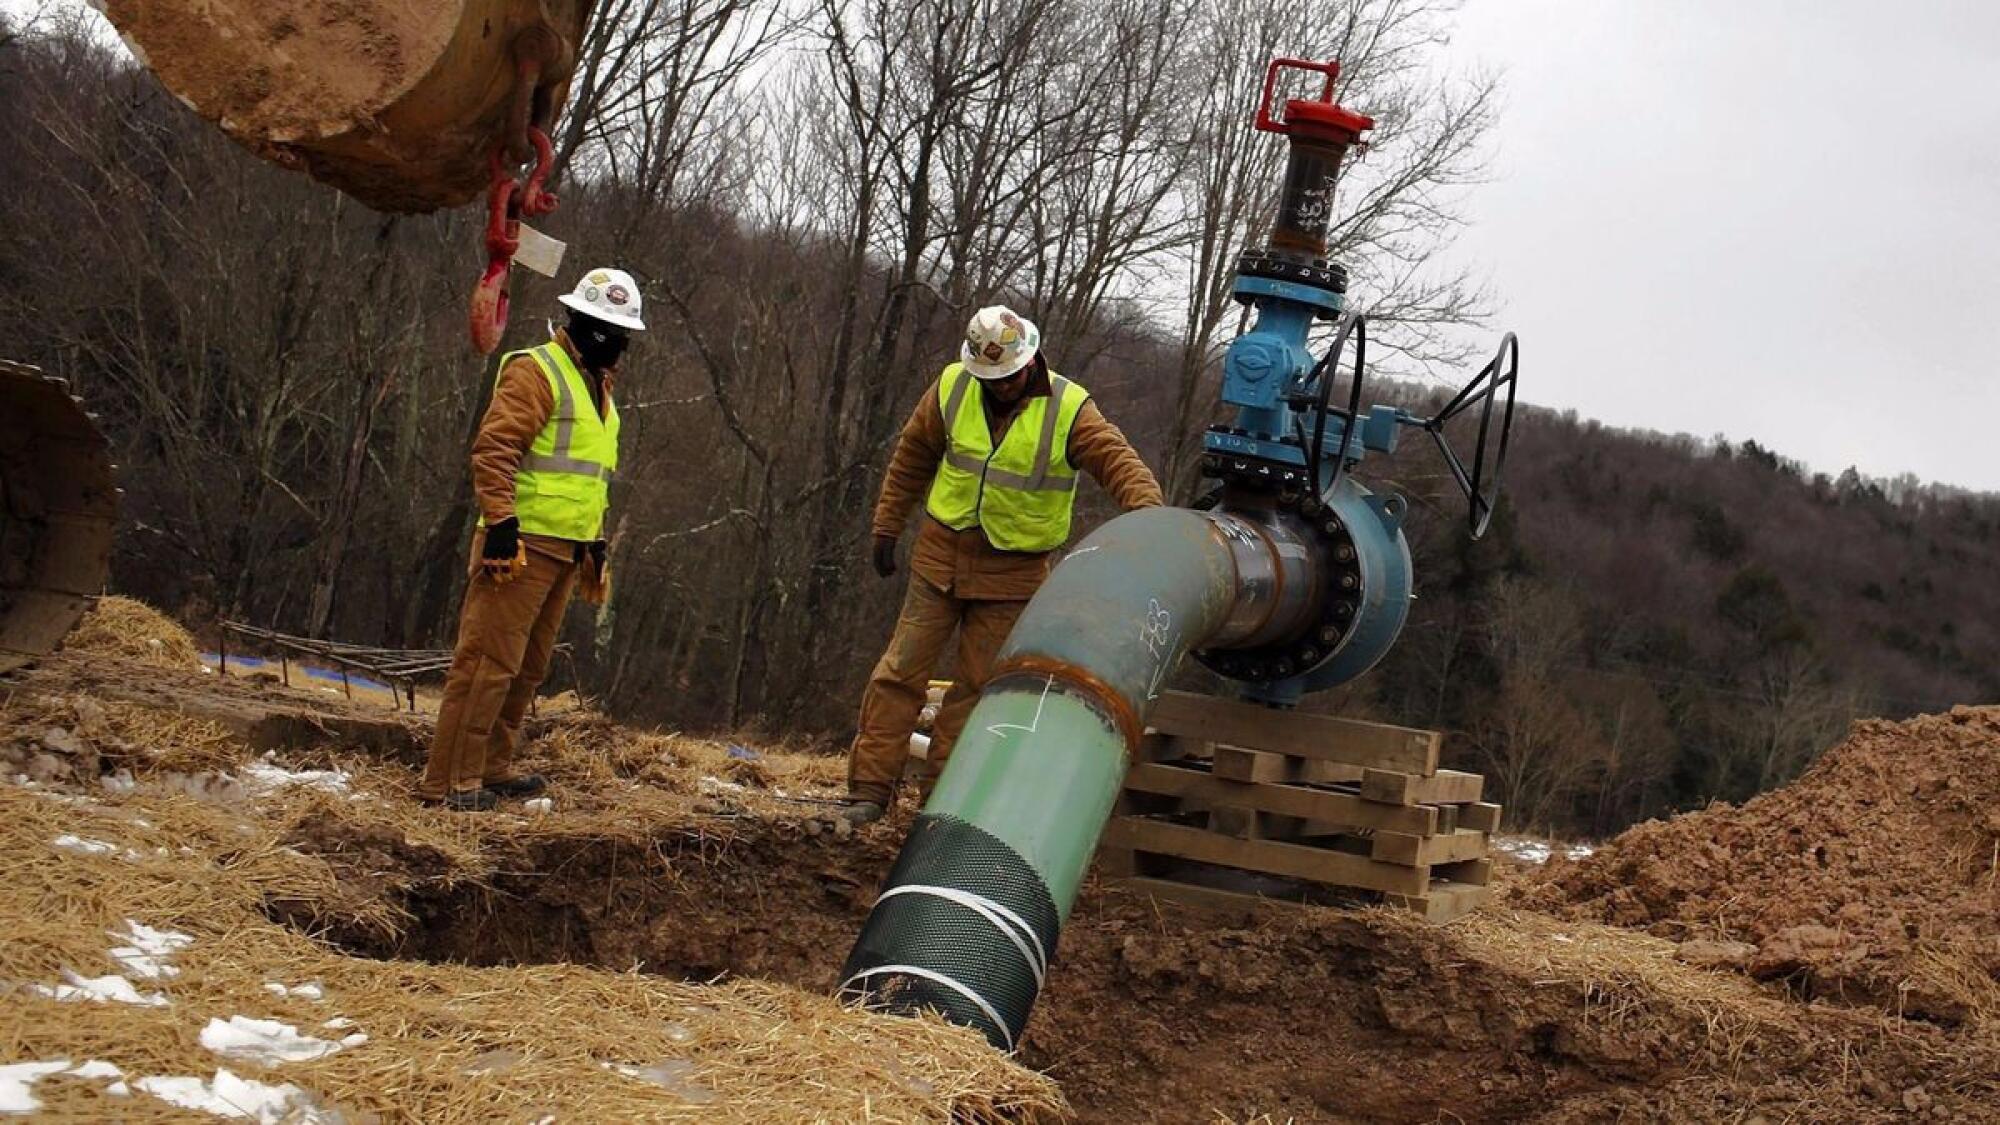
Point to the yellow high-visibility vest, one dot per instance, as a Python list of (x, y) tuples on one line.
[(564, 482), (1020, 495)]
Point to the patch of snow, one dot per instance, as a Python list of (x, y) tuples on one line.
[(205, 786), (17, 1084), (668, 1074), (226, 1095), (338, 1023), (96, 1068), (267, 775), (269, 1042), (82, 845), (311, 990), (149, 949), (120, 783), (1538, 851), (540, 805), (717, 785), (109, 987)]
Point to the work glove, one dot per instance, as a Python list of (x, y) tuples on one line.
[(595, 589), (504, 556), (885, 555)]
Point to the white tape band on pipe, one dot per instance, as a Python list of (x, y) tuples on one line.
[(937, 978), (1001, 917)]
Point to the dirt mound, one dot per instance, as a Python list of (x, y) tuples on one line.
[(1874, 878), (126, 627)]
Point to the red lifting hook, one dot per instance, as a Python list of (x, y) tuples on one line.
[(508, 201)]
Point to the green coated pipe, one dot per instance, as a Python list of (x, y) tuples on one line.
[(1044, 752), (968, 918)]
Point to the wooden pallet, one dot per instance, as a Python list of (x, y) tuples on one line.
[(1325, 804)]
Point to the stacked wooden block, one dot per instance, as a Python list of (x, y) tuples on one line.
[(1330, 802)]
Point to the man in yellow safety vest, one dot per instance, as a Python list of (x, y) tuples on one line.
[(541, 470), (994, 448)]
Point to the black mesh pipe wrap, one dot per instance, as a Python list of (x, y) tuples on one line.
[(964, 926)]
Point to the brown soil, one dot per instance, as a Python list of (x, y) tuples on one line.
[(1874, 879), (659, 858), (1156, 1013)]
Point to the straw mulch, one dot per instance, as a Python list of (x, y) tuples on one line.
[(445, 1043), (182, 850), (119, 626)]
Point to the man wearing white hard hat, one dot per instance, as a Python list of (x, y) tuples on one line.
[(993, 449), (541, 471)]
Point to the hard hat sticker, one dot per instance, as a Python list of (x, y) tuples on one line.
[(590, 293), (600, 278), (617, 295)]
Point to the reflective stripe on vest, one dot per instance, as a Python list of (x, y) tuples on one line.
[(1022, 493), (564, 420), (562, 486)]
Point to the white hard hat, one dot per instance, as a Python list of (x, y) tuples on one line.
[(609, 295), (999, 342)]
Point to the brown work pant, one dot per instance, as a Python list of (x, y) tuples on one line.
[(505, 635), (896, 689)]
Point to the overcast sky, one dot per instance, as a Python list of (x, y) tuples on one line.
[(1769, 220)]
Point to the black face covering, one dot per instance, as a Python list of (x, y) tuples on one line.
[(599, 344)]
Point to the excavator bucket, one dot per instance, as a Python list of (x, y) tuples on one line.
[(397, 103), (58, 510)]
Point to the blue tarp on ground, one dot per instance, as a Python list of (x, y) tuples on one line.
[(215, 661)]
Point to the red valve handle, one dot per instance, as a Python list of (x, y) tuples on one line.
[(1269, 124)]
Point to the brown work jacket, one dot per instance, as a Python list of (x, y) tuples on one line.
[(521, 406), (964, 563)]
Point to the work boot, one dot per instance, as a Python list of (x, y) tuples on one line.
[(526, 785), (465, 800), (859, 813)]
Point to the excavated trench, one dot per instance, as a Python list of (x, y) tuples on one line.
[(1335, 1017)]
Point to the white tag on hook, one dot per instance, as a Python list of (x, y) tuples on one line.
[(539, 252)]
